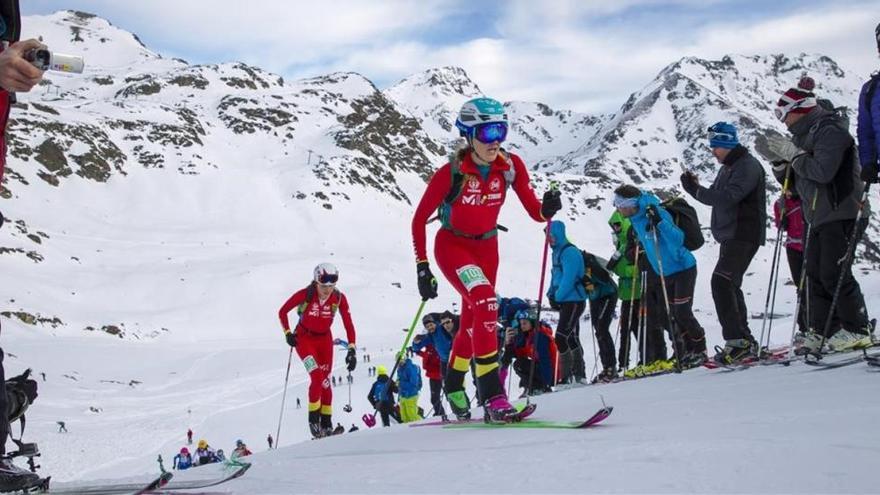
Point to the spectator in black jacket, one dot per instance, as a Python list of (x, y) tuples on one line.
[(739, 217)]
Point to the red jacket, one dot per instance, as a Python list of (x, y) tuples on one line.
[(430, 362), (476, 209), (794, 223), (317, 316)]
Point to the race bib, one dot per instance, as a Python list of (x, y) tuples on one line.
[(471, 276), (310, 364)]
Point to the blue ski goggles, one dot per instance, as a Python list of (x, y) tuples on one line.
[(493, 132), (328, 279)]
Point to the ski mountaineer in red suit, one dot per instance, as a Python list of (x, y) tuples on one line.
[(469, 192), (317, 305)]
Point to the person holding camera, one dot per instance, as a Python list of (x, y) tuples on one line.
[(16, 75)]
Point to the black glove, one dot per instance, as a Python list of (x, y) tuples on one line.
[(351, 359), (551, 204), (427, 282), (690, 183), (653, 215), (290, 337), (869, 175)]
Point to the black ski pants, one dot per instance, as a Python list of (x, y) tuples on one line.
[(689, 334), (436, 394), (568, 331), (824, 264), (4, 405), (601, 315), (629, 330), (795, 264), (734, 258)]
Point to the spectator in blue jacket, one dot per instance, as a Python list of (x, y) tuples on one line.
[(410, 382), (651, 222), (439, 336), (868, 128), (567, 294)]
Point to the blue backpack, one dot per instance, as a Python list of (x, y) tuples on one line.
[(380, 392)]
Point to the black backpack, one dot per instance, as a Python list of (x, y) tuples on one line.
[(21, 391), (685, 217), (594, 270)]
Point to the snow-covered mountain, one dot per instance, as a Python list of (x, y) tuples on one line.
[(160, 213)]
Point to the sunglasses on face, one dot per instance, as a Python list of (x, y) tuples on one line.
[(493, 132), (328, 279)]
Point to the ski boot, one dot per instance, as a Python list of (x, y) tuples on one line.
[(460, 404), (607, 375), (812, 345), (734, 351), (844, 340), (14, 478), (316, 431), (693, 360), (499, 410)]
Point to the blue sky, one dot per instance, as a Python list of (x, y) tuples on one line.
[(586, 55)]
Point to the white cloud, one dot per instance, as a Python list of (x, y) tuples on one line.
[(583, 55)]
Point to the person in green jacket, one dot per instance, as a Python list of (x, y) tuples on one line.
[(622, 263)]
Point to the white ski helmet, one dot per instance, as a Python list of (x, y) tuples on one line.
[(326, 273), (479, 111)]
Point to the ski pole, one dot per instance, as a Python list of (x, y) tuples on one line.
[(844, 267), (399, 354), (774, 267), (669, 316), (553, 187), (643, 317), (283, 397), (347, 407), (800, 290), (629, 315)]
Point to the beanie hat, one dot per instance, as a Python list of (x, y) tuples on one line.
[(723, 135), (381, 371), (427, 319), (796, 100)]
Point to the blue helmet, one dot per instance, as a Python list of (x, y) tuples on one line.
[(479, 111)]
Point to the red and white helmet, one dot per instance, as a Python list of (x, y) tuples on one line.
[(326, 274)]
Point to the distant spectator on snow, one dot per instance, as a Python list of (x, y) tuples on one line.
[(62, 427), (381, 395), (241, 449), (183, 460), (189, 436), (353, 428), (204, 454), (269, 438)]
